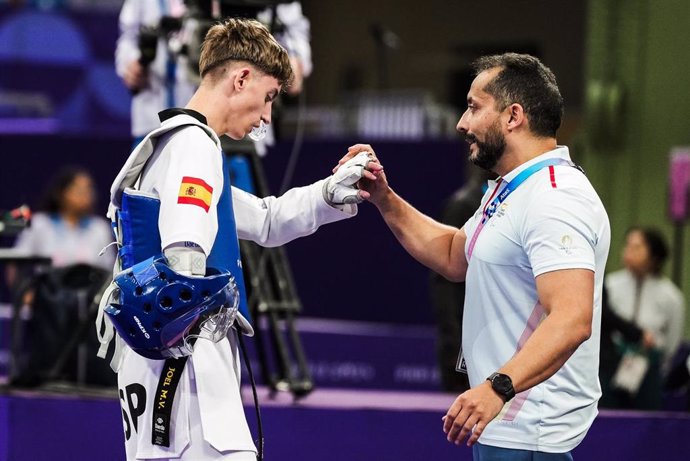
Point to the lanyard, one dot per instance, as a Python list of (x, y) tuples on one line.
[(495, 200)]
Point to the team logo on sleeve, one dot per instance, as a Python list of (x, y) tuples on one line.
[(195, 191), (566, 244)]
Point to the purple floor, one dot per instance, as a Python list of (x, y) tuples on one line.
[(330, 424), (377, 399)]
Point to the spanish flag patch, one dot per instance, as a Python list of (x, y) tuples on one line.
[(195, 191)]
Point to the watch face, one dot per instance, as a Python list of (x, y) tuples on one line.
[(502, 384)]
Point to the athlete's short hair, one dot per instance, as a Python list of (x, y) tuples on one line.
[(525, 80), (243, 40)]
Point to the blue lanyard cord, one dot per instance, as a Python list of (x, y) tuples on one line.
[(517, 181)]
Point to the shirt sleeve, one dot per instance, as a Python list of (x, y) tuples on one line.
[(190, 189), (274, 221), (559, 231)]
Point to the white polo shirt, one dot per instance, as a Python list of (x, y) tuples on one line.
[(554, 220)]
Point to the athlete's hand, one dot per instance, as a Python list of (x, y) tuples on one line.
[(470, 413), (341, 187), (373, 183)]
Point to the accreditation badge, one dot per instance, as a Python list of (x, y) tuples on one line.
[(461, 366)]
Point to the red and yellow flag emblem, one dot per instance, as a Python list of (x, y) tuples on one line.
[(195, 191)]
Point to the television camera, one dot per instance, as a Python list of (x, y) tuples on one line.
[(184, 35)]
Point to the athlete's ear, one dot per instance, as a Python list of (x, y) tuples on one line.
[(241, 77), (516, 116)]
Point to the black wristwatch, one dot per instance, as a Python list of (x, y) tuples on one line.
[(502, 385)]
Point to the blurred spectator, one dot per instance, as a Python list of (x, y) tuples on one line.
[(641, 294), (449, 297), (60, 342), (167, 81), (64, 228)]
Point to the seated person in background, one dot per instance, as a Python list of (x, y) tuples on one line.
[(55, 303), (641, 294), (65, 228)]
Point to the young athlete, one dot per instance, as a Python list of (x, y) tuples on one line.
[(179, 281)]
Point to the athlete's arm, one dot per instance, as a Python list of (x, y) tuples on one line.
[(273, 221)]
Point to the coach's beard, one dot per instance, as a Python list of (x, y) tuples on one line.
[(489, 151)]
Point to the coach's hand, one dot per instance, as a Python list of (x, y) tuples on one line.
[(374, 185), (342, 187), (470, 413)]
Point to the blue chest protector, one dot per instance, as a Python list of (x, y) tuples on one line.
[(141, 237), (225, 254), (157, 311)]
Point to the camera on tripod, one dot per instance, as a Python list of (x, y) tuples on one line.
[(183, 35)]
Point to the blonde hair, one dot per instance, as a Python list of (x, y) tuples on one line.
[(243, 40)]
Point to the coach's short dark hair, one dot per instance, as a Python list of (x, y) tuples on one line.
[(524, 80)]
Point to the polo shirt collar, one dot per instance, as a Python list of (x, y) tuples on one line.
[(558, 152)]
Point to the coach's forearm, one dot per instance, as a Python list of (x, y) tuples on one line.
[(546, 351)]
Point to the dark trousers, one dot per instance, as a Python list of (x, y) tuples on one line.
[(481, 452)]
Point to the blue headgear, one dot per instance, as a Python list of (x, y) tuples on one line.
[(160, 313)]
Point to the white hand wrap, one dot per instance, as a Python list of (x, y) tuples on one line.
[(342, 188)]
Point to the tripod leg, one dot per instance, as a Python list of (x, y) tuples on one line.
[(304, 384), (285, 379), (273, 296), (251, 261)]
